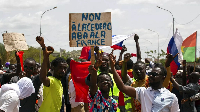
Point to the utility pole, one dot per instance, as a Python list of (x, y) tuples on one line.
[(40, 27)]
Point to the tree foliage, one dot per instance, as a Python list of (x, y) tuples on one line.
[(32, 52), (153, 54)]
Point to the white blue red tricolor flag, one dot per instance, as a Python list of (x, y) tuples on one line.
[(173, 48), (118, 45), (117, 42)]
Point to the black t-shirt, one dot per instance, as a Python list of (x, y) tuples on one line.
[(28, 104), (5, 78), (1, 78), (65, 82)]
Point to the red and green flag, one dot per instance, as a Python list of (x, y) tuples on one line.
[(188, 48)]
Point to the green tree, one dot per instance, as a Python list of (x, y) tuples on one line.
[(153, 54), (3, 53), (6, 56)]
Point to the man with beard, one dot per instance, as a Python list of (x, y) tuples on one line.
[(155, 98), (53, 89)]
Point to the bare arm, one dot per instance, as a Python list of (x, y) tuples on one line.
[(43, 72), (130, 91), (136, 37), (175, 84), (18, 64), (96, 49), (48, 64), (44, 68), (124, 72), (93, 80), (121, 52), (125, 78), (8, 76), (169, 59), (93, 76), (167, 78)]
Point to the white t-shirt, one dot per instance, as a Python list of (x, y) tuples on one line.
[(161, 100), (9, 101)]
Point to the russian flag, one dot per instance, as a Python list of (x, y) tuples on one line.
[(173, 48), (118, 45), (117, 41)]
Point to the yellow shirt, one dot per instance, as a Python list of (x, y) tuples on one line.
[(52, 96)]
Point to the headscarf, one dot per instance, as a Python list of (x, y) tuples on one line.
[(7, 64), (24, 87)]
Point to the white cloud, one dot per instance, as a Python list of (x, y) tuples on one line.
[(21, 21), (183, 2), (117, 12), (142, 1), (39, 13), (26, 4), (180, 2), (145, 10)]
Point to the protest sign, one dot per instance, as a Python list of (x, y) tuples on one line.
[(14, 41), (90, 29)]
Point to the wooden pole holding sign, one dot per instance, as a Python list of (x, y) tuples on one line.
[(92, 55), (194, 66), (184, 73)]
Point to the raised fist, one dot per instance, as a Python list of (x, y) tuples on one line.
[(136, 37), (40, 40)]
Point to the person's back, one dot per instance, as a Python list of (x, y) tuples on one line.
[(28, 104), (188, 91), (11, 94), (9, 101)]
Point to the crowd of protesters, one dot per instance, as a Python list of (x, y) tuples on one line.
[(114, 85)]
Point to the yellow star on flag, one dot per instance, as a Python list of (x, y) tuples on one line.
[(182, 49)]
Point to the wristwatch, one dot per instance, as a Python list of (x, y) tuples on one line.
[(43, 48)]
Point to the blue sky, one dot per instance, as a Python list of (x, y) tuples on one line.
[(128, 16)]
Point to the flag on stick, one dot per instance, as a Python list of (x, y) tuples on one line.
[(188, 48), (173, 48)]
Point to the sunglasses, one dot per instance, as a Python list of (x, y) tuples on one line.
[(154, 74), (30, 68)]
